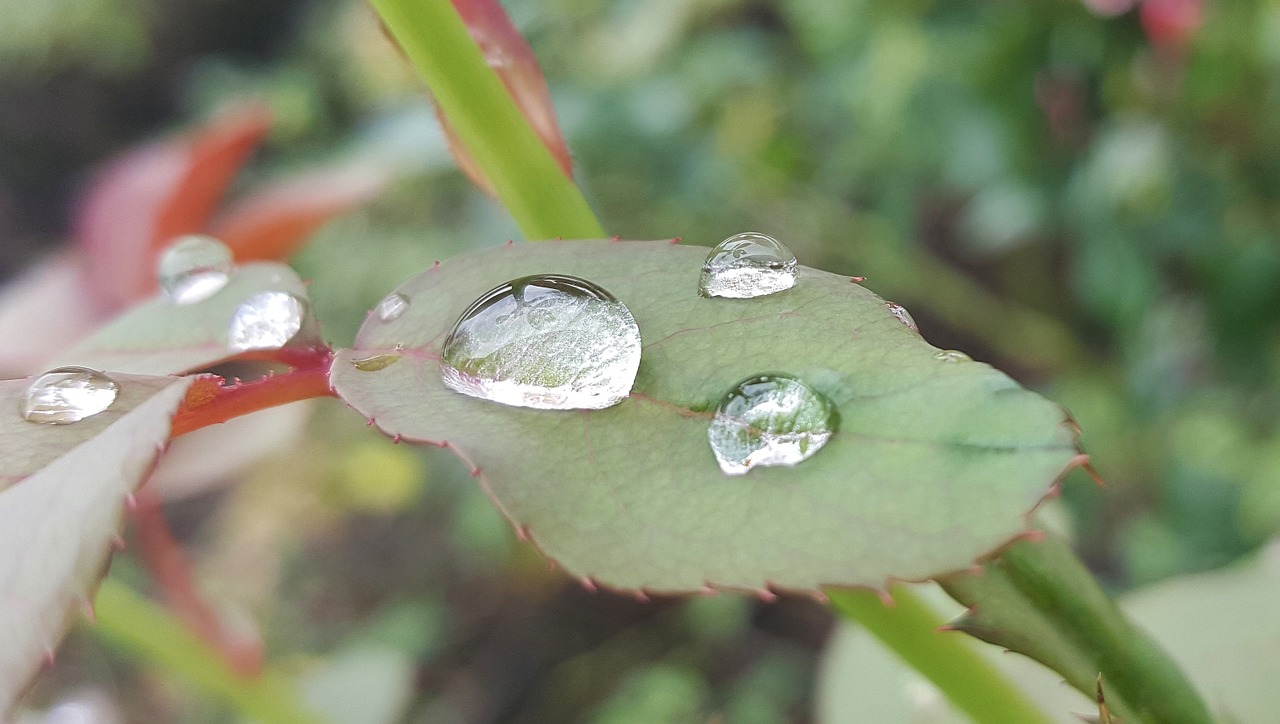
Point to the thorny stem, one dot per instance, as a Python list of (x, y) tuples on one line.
[(911, 629), (171, 570), (210, 402)]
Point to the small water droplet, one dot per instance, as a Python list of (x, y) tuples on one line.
[(903, 316), (266, 320), (392, 307), (747, 265), (769, 420), (193, 268), (547, 341), (68, 394), (375, 362), (952, 355)]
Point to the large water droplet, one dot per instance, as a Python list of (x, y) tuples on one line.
[(67, 395), (546, 341), (266, 320), (392, 307), (952, 355), (769, 420), (747, 265), (902, 315), (193, 268)]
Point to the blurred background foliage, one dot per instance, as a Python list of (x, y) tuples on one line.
[(1086, 195)]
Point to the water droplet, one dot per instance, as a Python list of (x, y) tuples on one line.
[(375, 362), (266, 320), (392, 307), (903, 316), (193, 268), (952, 355), (67, 395), (747, 265), (547, 341), (769, 420)]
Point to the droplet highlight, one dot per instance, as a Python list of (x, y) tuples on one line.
[(747, 265), (392, 307), (266, 320), (547, 341), (193, 268), (68, 394), (952, 355), (770, 420), (902, 315)]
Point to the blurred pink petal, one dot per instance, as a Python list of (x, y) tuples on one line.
[(44, 311), (274, 220), (510, 56), (161, 190), (1171, 23)]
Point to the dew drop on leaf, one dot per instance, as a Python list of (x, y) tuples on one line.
[(193, 268), (747, 265), (266, 320), (769, 420), (68, 394), (392, 307), (547, 341), (952, 355), (901, 313)]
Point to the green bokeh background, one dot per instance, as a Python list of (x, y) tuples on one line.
[(1041, 186)]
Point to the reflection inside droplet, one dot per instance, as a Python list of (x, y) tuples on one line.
[(193, 268), (68, 394), (546, 341), (266, 320), (392, 307), (747, 265), (769, 420)]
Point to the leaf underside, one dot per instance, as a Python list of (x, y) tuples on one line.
[(934, 463), (159, 337), (57, 523)]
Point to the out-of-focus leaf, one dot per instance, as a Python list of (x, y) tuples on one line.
[(43, 312), (274, 220), (56, 525), (934, 464), (156, 192), (363, 684), (159, 337), (1222, 628), (510, 56)]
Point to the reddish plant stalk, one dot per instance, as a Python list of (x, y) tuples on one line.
[(210, 401), (171, 570)]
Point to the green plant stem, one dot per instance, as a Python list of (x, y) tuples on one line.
[(134, 625), (1038, 599), (543, 201), (949, 659)]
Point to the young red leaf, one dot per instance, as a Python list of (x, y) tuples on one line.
[(272, 221), (156, 192)]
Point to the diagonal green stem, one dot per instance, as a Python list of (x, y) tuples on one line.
[(949, 659), (136, 626), (1038, 599), (543, 201)]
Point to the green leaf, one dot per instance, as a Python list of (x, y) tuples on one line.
[(56, 524), (159, 337), (934, 463), (1037, 599)]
